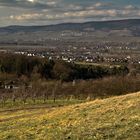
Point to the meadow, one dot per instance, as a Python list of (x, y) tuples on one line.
[(114, 118)]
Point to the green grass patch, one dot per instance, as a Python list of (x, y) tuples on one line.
[(9, 104)]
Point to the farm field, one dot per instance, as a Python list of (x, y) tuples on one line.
[(115, 118), (96, 64)]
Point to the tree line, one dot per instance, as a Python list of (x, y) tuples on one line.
[(55, 69)]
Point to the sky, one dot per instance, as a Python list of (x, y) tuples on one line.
[(45, 12)]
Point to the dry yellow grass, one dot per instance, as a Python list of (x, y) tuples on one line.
[(112, 118)]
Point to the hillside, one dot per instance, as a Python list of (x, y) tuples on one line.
[(112, 118), (97, 25), (33, 35)]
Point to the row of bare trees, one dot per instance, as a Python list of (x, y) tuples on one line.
[(39, 91), (83, 89)]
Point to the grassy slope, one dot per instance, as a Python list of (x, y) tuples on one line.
[(112, 118)]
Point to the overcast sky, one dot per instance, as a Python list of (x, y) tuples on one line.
[(44, 12)]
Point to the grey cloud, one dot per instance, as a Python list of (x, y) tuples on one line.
[(24, 4), (54, 11), (93, 13)]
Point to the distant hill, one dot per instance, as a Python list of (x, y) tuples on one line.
[(127, 27), (131, 24), (116, 118)]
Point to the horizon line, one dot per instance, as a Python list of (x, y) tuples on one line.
[(61, 23)]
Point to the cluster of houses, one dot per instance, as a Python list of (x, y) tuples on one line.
[(74, 51), (13, 85)]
